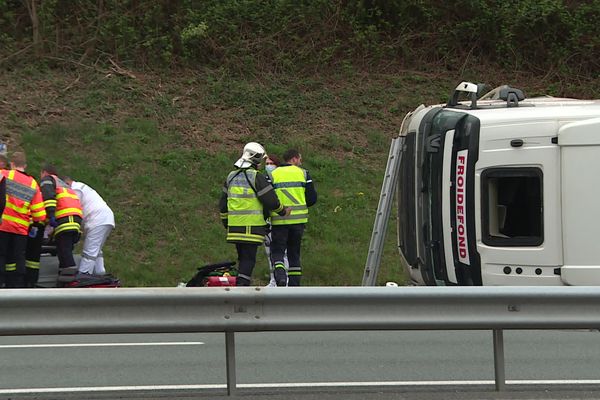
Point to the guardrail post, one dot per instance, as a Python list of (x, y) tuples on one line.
[(499, 374), (230, 362)]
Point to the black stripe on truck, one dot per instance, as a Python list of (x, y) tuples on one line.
[(465, 153)]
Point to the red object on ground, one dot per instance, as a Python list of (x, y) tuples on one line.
[(220, 281)]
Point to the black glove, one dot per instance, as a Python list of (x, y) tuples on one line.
[(33, 230), (285, 212)]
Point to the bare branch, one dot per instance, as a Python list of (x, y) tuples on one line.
[(24, 49), (121, 71), (70, 85)]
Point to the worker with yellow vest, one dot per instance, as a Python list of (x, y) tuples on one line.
[(246, 202), (24, 205), (64, 214), (295, 189)]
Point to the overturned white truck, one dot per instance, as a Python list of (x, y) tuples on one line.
[(500, 190)]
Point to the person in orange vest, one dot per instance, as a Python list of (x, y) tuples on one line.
[(63, 209), (34, 240), (23, 204), (33, 253), (35, 236), (3, 166)]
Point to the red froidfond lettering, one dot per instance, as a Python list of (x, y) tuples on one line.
[(461, 196)]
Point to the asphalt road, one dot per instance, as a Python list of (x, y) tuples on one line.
[(302, 365)]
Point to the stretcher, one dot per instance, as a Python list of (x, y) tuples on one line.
[(50, 276)]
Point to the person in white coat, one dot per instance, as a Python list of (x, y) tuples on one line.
[(98, 223)]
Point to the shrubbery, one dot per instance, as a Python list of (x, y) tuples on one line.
[(305, 35)]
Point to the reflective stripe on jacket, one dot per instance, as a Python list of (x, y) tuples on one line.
[(23, 203), (245, 219), (289, 182), (68, 223), (65, 200)]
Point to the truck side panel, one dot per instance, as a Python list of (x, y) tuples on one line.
[(580, 156)]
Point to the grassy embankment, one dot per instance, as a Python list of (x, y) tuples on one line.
[(158, 147)]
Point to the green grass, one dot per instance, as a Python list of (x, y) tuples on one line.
[(158, 153), (165, 202), (158, 149)]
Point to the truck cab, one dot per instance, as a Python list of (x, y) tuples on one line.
[(500, 190)]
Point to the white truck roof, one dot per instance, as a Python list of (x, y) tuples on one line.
[(576, 124), (540, 108)]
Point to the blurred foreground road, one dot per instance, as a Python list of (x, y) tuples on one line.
[(302, 365)]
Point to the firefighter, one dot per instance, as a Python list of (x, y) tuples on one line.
[(247, 196), (64, 214), (35, 237), (23, 204), (295, 189), (33, 253), (3, 166), (271, 162)]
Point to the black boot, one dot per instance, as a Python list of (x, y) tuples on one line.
[(295, 275), (280, 275), (294, 280), (14, 280), (241, 281), (31, 277)]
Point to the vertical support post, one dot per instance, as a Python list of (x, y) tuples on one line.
[(499, 373), (230, 362)]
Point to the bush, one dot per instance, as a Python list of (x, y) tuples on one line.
[(253, 36)]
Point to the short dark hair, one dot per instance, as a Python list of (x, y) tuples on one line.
[(289, 154), (49, 168), (18, 159), (275, 159)]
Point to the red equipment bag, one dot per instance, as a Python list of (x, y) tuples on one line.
[(221, 281), (219, 274)]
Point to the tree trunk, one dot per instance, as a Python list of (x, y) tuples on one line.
[(35, 25)]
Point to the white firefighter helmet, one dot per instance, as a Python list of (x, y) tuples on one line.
[(252, 154)]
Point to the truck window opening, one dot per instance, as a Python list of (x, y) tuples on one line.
[(512, 207)]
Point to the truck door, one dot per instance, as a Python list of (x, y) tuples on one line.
[(518, 187)]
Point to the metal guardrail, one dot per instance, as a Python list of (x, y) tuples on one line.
[(230, 310)]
